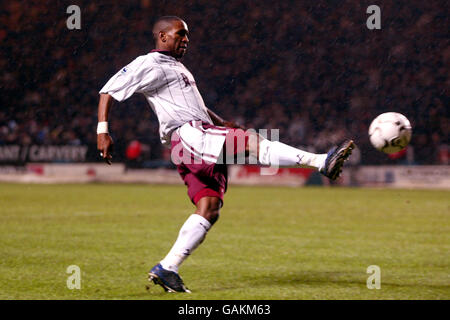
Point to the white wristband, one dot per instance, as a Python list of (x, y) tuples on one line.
[(102, 127)]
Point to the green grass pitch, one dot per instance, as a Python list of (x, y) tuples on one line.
[(269, 243)]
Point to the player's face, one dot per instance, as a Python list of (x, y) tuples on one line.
[(177, 38)]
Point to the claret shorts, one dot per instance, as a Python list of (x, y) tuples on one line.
[(197, 151)]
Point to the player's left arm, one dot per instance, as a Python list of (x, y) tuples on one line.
[(218, 121)]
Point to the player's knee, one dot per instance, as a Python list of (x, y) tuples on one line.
[(211, 213), (209, 208), (212, 216)]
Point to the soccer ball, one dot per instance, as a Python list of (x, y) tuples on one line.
[(390, 132)]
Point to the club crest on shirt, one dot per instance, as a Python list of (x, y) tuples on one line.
[(124, 70), (186, 80)]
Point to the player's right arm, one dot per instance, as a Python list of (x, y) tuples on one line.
[(104, 140), (136, 76)]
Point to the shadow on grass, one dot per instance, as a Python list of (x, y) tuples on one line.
[(304, 278), (314, 278)]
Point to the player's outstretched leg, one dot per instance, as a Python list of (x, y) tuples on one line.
[(274, 153), (336, 158)]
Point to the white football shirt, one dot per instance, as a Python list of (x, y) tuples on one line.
[(169, 88)]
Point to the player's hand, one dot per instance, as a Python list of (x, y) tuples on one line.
[(231, 124), (105, 146)]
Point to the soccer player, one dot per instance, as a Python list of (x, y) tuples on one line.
[(197, 137)]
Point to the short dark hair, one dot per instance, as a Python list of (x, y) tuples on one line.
[(159, 21)]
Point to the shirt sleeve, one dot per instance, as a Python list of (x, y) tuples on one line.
[(137, 76)]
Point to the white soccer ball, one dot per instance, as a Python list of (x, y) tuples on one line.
[(390, 132)]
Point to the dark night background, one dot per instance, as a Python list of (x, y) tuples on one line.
[(309, 68)]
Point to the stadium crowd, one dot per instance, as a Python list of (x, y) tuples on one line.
[(313, 70)]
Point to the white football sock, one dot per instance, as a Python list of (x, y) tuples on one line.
[(191, 234), (274, 153)]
